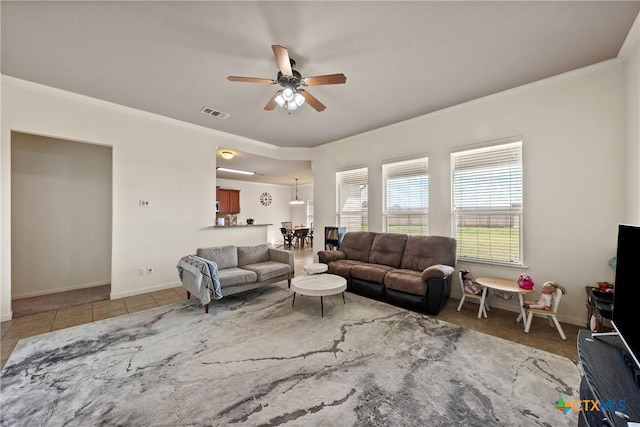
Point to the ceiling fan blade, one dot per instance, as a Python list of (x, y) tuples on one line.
[(282, 57), (311, 100), (251, 80), (272, 102), (329, 79)]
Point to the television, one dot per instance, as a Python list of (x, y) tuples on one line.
[(626, 296)]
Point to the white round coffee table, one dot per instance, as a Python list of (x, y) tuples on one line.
[(318, 285), (316, 268)]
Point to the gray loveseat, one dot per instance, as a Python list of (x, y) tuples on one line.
[(411, 271), (241, 268)]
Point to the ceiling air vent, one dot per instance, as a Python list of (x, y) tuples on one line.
[(214, 113)]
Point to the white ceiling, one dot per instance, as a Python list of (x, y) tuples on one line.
[(401, 59)]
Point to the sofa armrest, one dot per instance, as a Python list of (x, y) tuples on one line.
[(285, 257), (437, 271), (438, 291), (328, 256)]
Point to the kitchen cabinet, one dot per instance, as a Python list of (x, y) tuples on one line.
[(229, 201)]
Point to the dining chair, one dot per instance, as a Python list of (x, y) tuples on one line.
[(301, 236), (287, 224), (287, 238), (310, 235), (482, 310), (550, 314)]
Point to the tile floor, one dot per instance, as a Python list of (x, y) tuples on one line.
[(501, 323)]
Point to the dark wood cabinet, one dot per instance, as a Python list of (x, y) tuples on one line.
[(229, 201)]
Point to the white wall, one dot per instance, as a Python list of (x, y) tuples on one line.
[(61, 210), (633, 125), (573, 130)]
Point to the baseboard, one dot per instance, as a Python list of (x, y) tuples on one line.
[(131, 293), (55, 291), (6, 317)]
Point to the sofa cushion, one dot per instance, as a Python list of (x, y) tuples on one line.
[(236, 276), (408, 281), (371, 272), (424, 251), (342, 267), (223, 256), (387, 249), (356, 245), (268, 269), (252, 254)]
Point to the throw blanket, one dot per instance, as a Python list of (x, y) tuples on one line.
[(203, 281)]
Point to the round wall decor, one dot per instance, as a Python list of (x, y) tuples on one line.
[(265, 199)]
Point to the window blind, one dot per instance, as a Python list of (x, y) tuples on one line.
[(406, 196), (352, 199), (487, 203)]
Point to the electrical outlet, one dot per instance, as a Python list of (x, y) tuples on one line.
[(143, 203), (149, 270)]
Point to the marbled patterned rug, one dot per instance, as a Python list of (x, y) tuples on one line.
[(255, 360)]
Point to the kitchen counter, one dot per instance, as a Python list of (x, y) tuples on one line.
[(241, 225)]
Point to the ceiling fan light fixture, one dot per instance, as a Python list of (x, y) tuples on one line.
[(280, 100), (288, 94), (298, 99), (242, 172), (291, 105), (296, 201), (228, 155)]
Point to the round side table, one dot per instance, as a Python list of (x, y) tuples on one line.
[(315, 268)]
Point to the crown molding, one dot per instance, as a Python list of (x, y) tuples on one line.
[(631, 42)]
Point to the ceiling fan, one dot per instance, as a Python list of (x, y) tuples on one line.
[(292, 96)]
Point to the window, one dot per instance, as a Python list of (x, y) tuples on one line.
[(352, 199), (487, 203), (406, 196), (310, 213)]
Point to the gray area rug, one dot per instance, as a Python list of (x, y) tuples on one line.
[(40, 304), (255, 360)]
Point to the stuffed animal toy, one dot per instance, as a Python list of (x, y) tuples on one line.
[(544, 302), (469, 284)]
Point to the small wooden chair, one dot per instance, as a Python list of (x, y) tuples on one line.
[(482, 310), (551, 314)]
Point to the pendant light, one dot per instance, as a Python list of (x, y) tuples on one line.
[(296, 201)]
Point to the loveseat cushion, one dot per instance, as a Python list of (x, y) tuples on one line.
[(370, 272), (342, 267), (236, 276), (223, 256), (409, 281), (268, 269), (252, 254), (357, 245), (387, 249), (424, 251)]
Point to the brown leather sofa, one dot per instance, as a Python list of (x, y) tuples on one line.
[(410, 271)]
